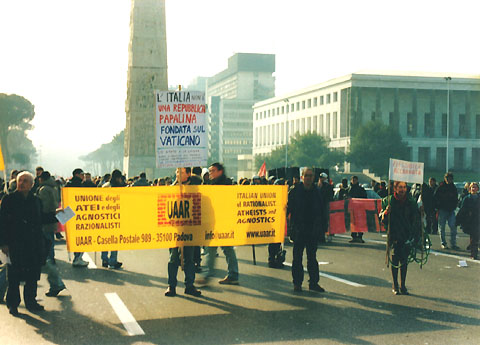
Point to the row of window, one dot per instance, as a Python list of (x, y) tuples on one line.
[(324, 124), (459, 158), (429, 125), (297, 106)]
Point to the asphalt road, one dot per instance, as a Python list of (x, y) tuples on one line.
[(357, 308)]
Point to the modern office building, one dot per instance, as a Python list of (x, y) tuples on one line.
[(414, 103), (230, 96)]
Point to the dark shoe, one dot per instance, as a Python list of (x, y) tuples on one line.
[(316, 288), (192, 290), (455, 247), (353, 240), (468, 247), (116, 266), (58, 236), (170, 292), (55, 292), (105, 263), (297, 288), (198, 269), (396, 291), (228, 281), (271, 264), (361, 240), (34, 307), (404, 291), (13, 311)]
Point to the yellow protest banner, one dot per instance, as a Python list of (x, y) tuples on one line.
[(170, 216), (2, 162)]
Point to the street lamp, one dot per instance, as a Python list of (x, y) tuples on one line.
[(286, 100), (448, 79)]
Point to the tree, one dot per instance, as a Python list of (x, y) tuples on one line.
[(374, 144), (107, 157), (309, 149), (16, 113)]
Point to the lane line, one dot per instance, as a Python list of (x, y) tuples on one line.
[(91, 263), (329, 276), (124, 315), (431, 251)]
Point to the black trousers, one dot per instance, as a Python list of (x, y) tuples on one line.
[(308, 242), (273, 249), (13, 292), (432, 223)]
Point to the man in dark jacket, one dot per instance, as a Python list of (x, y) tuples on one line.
[(21, 238), (326, 190), (356, 191), (446, 200), (217, 177), (308, 222), (142, 181), (76, 181)]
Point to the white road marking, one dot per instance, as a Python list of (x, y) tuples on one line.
[(91, 263), (434, 252), (124, 315), (329, 276)]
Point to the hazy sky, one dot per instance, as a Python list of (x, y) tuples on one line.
[(69, 58)]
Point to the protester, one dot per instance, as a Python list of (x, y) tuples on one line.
[(12, 184), (87, 181), (36, 182), (446, 200), (112, 262), (188, 251), (469, 218), (308, 223), (382, 191), (356, 191), (402, 219), (48, 195), (217, 177), (76, 181), (142, 181), (326, 190), (21, 238)]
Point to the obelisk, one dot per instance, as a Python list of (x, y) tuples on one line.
[(147, 72)]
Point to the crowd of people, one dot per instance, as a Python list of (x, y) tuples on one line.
[(28, 226)]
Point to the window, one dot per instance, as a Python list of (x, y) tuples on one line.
[(411, 125), (309, 103), (292, 107), (297, 126), (256, 136), (462, 126), (424, 155), (390, 119), (320, 127), (315, 101), (335, 96), (373, 116), (321, 100), (327, 125), (309, 124), (429, 127), (314, 123), (302, 128), (282, 138), (476, 159), (441, 158), (328, 99), (444, 125), (256, 116), (283, 109), (334, 124), (477, 127), (269, 113), (298, 106), (459, 158), (303, 105)]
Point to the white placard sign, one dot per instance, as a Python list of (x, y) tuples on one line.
[(181, 129), (411, 172)]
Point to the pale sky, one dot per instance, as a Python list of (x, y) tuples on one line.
[(70, 58)]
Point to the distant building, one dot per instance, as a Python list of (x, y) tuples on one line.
[(416, 104), (230, 97)]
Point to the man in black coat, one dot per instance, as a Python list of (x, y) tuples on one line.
[(446, 200), (308, 223), (22, 239)]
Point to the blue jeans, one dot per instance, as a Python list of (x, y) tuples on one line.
[(443, 218), (232, 263), (113, 257), (188, 266)]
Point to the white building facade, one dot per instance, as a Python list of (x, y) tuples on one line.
[(415, 104)]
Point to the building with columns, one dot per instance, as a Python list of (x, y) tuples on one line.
[(414, 103)]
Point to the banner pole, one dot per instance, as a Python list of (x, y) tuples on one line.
[(387, 255)]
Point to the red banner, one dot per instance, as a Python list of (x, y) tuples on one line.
[(355, 215)]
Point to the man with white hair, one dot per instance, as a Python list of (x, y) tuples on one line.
[(22, 239)]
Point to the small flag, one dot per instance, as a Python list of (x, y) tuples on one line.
[(263, 170), (2, 163)]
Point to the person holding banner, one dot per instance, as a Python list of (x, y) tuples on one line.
[(217, 177), (401, 216), (188, 251), (308, 223)]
